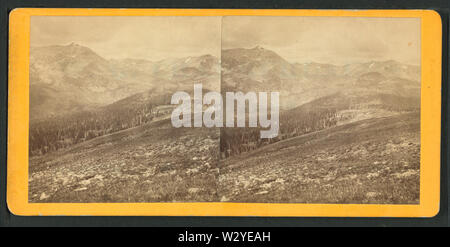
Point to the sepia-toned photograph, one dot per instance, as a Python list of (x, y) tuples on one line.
[(253, 109), (100, 108), (349, 114)]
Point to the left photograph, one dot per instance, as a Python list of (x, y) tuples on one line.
[(100, 109)]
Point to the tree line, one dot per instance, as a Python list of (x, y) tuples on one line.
[(61, 132), (234, 141), (317, 115)]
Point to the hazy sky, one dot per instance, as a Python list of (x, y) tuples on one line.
[(336, 40), (152, 38)]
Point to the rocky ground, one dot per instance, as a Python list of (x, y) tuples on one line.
[(370, 161), (150, 163)]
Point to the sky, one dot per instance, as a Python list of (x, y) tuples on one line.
[(334, 40), (152, 38)]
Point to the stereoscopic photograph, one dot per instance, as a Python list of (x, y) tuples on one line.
[(100, 109), (253, 109)]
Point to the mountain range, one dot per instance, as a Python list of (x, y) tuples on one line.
[(70, 78), (260, 69), (73, 78)]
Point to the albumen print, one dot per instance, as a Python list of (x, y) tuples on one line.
[(254, 109)]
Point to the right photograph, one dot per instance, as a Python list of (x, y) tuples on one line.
[(349, 110)]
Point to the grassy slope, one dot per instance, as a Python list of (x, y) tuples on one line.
[(150, 163), (370, 161)]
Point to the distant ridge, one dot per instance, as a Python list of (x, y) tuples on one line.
[(72, 77)]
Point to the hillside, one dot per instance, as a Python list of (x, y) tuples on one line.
[(322, 113), (369, 161), (149, 163), (59, 132)]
